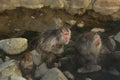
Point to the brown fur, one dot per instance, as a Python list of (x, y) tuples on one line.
[(88, 49), (51, 44)]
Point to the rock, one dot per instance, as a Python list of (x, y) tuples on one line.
[(7, 58), (12, 4), (54, 3), (114, 72), (106, 7), (1, 61), (98, 30), (31, 4), (92, 68), (9, 4), (58, 22), (41, 71), (71, 22), (112, 42), (81, 24), (69, 75), (77, 6), (117, 37), (36, 57), (54, 74), (116, 16), (10, 71), (88, 78), (13, 46)]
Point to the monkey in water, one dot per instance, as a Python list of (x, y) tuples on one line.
[(49, 49), (51, 45), (88, 46)]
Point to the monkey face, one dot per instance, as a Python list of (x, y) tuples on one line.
[(96, 44), (26, 63), (97, 40), (66, 35), (52, 41), (89, 43)]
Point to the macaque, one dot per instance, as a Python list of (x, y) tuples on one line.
[(26, 65), (51, 45), (88, 46), (49, 49)]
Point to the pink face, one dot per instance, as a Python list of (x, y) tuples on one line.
[(66, 37), (97, 40)]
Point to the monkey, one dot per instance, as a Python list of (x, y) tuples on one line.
[(88, 45), (49, 49), (51, 45), (27, 66)]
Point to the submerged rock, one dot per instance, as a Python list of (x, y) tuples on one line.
[(81, 24), (106, 7), (69, 75), (98, 30), (54, 74), (10, 71), (41, 71), (71, 22), (13, 46), (117, 37), (78, 6)]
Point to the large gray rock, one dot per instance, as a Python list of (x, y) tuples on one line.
[(31, 4), (14, 46), (10, 71), (106, 7), (12, 4), (77, 6), (41, 70), (9, 4), (54, 74), (54, 3), (116, 16), (98, 30), (117, 37)]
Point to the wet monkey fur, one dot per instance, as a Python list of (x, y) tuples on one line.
[(88, 45), (51, 45)]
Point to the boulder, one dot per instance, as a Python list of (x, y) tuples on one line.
[(14, 46), (54, 74), (77, 6), (10, 71), (106, 7), (117, 37)]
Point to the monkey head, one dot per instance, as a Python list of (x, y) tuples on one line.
[(26, 64), (65, 35), (53, 41), (89, 42), (96, 44)]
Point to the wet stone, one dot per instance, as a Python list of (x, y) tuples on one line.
[(54, 74), (69, 75), (81, 24), (41, 70), (71, 22), (117, 37), (98, 30), (13, 46), (10, 71)]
